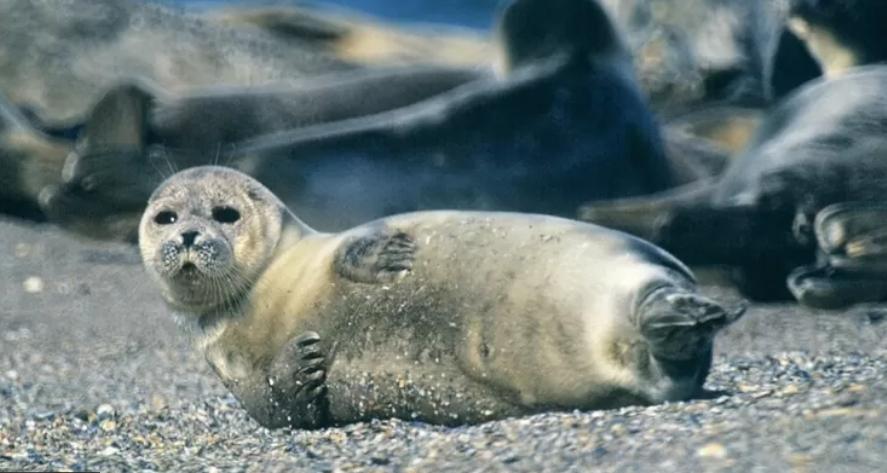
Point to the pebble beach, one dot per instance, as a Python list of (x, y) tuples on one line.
[(96, 376)]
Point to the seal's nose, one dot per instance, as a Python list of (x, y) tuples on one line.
[(189, 237)]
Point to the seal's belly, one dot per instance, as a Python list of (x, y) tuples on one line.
[(381, 384), (519, 316)]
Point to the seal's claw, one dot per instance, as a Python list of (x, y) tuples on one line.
[(298, 380), (307, 338), (380, 257)]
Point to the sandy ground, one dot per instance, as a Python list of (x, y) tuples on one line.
[(94, 375)]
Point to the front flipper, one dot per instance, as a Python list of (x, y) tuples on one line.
[(298, 382), (379, 257)]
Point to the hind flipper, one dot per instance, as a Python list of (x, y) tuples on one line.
[(679, 324)]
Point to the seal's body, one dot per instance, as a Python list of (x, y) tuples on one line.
[(446, 317)]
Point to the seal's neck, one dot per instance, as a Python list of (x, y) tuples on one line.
[(293, 229)]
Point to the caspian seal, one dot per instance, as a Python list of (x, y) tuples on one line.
[(445, 317)]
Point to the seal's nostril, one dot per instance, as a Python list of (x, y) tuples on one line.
[(188, 238)]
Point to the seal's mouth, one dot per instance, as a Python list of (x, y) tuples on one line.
[(188, 273)]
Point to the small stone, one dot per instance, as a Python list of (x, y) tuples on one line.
[(105, 411), (712, 450), (107, 452), (158, 402), (11, 375), (108, 425), (33, 285), (44, 415)]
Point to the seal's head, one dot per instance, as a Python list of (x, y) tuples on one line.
[(207, 234), (532, 30)]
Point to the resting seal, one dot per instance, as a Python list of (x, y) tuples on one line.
[(445, 317), (565, 125), (823, 146)]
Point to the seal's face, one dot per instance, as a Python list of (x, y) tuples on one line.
[(207, 234)]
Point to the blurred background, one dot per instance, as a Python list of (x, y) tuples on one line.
[(468, 13)]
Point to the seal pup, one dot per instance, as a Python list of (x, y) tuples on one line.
[(565, 125), (823, 145), (445, 317)]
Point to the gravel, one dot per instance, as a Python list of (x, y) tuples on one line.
[(94, 375)]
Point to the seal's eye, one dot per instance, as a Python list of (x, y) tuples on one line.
[(225, 214), (166, 217)]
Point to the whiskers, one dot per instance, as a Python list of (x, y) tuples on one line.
[(227, 290), (218, 152), (157, 156), (227, 156)]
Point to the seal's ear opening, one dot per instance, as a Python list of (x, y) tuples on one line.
[(119, 120), (531, 30)]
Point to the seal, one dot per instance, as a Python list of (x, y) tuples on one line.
[(445, 317), (694, 53), (358, 38), (137, 131), (566, 124), (822, 147)]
